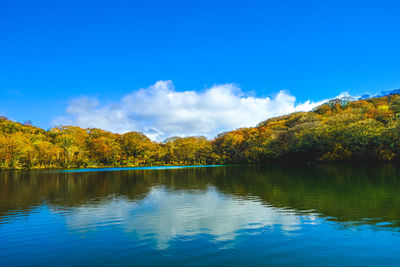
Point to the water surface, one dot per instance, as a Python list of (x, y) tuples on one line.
[(227, 215)]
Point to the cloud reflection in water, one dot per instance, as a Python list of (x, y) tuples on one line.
[(165, 215)]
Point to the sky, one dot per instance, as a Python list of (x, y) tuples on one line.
[(189, 67)]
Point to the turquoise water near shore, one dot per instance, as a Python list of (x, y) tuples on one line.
[(139, 168), (322, 215)]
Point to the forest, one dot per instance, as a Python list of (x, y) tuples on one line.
[(339, 130)]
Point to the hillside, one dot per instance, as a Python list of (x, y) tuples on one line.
[(340, 130)]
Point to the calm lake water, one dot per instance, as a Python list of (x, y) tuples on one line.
[(231, 215)]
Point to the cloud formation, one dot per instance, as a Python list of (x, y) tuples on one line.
[(160, 111)]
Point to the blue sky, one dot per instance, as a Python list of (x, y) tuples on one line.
[(54, 53)]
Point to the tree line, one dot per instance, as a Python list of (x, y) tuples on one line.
[(339, 130)]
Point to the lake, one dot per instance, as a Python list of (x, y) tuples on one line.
[(226, 215)]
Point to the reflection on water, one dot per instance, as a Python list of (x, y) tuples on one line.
[(254, 214), (167, 215)]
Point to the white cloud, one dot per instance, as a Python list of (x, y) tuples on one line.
[(160, 111)]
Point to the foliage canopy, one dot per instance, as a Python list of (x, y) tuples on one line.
[(340, 130)]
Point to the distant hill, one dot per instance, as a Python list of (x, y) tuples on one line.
[(383, 93), (367, 129)]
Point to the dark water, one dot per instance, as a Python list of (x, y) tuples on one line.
[(324, 215)]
